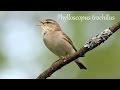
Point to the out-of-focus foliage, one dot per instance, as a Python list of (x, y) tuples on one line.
[(24, 55)]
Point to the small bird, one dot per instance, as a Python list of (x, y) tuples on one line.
[(57, 41)]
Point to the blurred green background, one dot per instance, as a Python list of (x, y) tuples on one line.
[(23, 54)]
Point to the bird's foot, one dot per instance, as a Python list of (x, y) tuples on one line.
[(64, 57)]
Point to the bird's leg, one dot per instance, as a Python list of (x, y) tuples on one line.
[(61, 58), (64, 57)]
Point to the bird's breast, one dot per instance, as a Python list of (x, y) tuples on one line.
[(56, 44)]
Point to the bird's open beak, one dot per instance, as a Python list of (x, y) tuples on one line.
[(40, 23)]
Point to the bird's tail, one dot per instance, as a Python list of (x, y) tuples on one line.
[(80, 64)]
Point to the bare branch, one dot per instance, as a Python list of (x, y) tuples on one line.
[(89, 45)]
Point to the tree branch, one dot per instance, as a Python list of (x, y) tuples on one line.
[(89, 45)]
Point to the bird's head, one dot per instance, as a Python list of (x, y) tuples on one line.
[(49, 25)]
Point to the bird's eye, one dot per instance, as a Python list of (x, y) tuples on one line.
[(47, 22)]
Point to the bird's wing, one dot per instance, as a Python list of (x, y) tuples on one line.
[(68, 40)]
